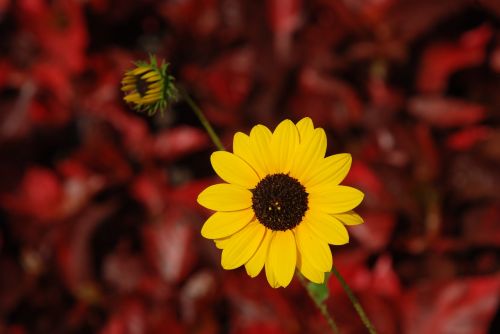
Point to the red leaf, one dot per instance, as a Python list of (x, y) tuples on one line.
[(169, 245), (377, 290), (473, 179), (196, 294), (149, 191), (264, 327), (384, 96), (59, 29), (258, 304), (187, 194), (122, 260), (385, 281), (74, 251), (481, 227), (16, 329), (130, 318), (329, 101), (227, 80), (3, 5), (376, 231), (174, 143), (6, 71), (55, 79), (42, 188), (283, 15), (440, 60), (465, 139), (352, 267), (461, 306), (445, 112), (39, 195), (197, 16), (495, 60), (133, 129), (374, 10), (362, 176), (12, 286), (427, 159)]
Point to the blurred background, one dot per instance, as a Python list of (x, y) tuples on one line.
[(99, 227)]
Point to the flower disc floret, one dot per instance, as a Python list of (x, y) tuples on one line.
[(279, 202)]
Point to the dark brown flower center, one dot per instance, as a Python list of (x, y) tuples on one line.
[(279, 202)]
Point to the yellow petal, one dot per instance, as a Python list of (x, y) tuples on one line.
[(305, 127), (331, 170), (155, 85), (149, 99), (150, 95), (138, 70), (313, 249), (223, 224), (283, 256), (327, 227), (149, 75), (155, 96), (128, 80), (128, 87), (154, 78), (152, 90), (221, 243), (284, 143), (309, 154), (233, 169), (225, 197), (241, 147), (334, 199), (260, 140), (132, 97), (242, 245), (309, 272), (257, 261), (349, 218), (271, 277)]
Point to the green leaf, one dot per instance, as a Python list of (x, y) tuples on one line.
[(319, 292)]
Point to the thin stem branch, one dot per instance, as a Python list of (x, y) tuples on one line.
[(354, 301), (320, 305), (203, 120)]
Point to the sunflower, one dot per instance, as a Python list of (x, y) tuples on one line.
[(282, 204), (149, 86)]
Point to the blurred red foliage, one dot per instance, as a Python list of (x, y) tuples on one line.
[(99, 227)]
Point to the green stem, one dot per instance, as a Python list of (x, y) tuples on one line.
[(354, 301), (203, 120), (320, 305)]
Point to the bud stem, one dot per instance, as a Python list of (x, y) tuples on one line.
[(203, 121)]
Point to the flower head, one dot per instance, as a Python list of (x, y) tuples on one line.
[(149, 86), (281, 205)]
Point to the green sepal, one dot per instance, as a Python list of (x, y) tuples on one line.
[(319, 292)]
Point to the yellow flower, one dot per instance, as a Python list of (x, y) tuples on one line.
[(282, 204), (149, 86)]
